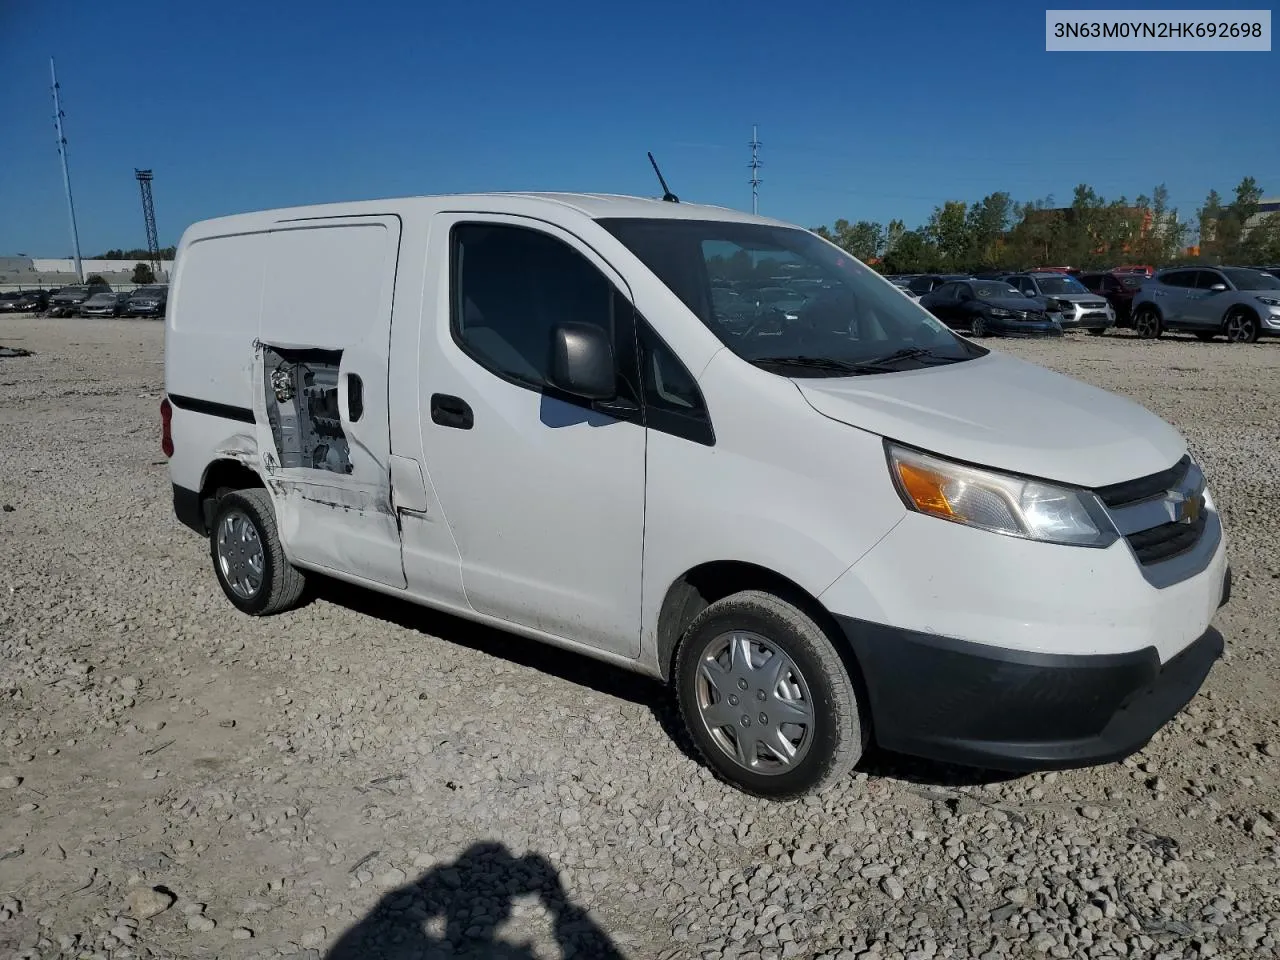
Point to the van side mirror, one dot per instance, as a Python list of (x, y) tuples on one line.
[(582, 361)]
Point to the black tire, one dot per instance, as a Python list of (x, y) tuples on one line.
[(1205, 335), (979, 327), (1147, 322), (281, 584), (833, 740), (1240, 326)]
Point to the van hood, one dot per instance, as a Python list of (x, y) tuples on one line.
[(1002, 412)]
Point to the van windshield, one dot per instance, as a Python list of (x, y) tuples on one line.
[(805, 307)]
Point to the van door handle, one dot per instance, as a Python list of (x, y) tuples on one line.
[(449, 411), (355, 397)]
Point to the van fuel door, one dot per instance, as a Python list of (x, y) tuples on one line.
[(408, 490)]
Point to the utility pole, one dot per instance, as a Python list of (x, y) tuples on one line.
[(755, 169), (66, 177), (149, 216)]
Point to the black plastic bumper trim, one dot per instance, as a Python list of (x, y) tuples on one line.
[(968, 703), (188, 509), (213, 409)]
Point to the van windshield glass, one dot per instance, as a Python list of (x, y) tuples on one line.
[(802, 306)]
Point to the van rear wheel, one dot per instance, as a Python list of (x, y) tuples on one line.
[(248, 557), (766, 698)]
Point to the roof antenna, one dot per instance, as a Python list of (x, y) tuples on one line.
[(667, 195)]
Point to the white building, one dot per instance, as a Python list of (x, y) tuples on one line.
[(24, 273)]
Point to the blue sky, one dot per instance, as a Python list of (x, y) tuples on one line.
[(866, 111)]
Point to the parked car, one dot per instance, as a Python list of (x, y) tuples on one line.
[(785, 301), (1274, 271), (150, 301), (106, 304), (9, 301), (927, 281), (1238, 303), (861, 526), (903, 283), (67, 301), (33, 301), (1080, 308), (1144, 269), (987, 307), (1118, 289)]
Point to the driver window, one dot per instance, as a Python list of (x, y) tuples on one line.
[(963, 292)]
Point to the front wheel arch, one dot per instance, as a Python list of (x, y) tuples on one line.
[(1245, 314), (699, 587)]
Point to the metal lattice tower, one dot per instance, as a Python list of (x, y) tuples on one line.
[(149, 215), (755, 166), (66, 177)]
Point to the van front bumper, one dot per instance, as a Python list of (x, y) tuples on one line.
[(961, 702)]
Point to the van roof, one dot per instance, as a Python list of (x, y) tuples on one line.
[(594, 206)]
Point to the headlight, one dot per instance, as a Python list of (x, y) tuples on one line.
[(1270, 301), (1001, 312), (999, 502)]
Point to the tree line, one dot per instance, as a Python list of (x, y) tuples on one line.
[(166, 253), (998, 233)]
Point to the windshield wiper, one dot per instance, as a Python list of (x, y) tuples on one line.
[(830, 364), (889, 363), (922, 354)]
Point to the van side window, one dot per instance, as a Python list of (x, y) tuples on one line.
[(673, 402), (511, 286)]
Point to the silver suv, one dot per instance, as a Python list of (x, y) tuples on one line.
[(1081, 308), (1239, 303)]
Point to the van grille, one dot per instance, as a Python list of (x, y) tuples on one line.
[(1144, 488), (1166, 541)]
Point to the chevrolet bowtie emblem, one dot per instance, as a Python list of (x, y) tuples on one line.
[(1188, 507)]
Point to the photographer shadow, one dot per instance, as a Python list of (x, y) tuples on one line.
[(454, 911)]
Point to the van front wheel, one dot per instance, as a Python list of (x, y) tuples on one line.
[(766, 698), (248, 558)]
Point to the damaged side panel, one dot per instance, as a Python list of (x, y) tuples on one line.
[(330, 487), (302, 408)]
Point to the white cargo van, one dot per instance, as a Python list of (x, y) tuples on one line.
[(595, 421)]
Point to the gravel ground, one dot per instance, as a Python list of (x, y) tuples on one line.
[(364, 779)]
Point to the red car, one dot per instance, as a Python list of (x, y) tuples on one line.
[(1118, 288)]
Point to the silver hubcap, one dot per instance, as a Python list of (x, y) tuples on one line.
[(1146, 325), (240, 556), (1238, 327), (755, 703)]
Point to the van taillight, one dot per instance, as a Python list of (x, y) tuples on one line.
[(166, 427)]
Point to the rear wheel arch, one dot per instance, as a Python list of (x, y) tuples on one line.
[(220, 478)]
